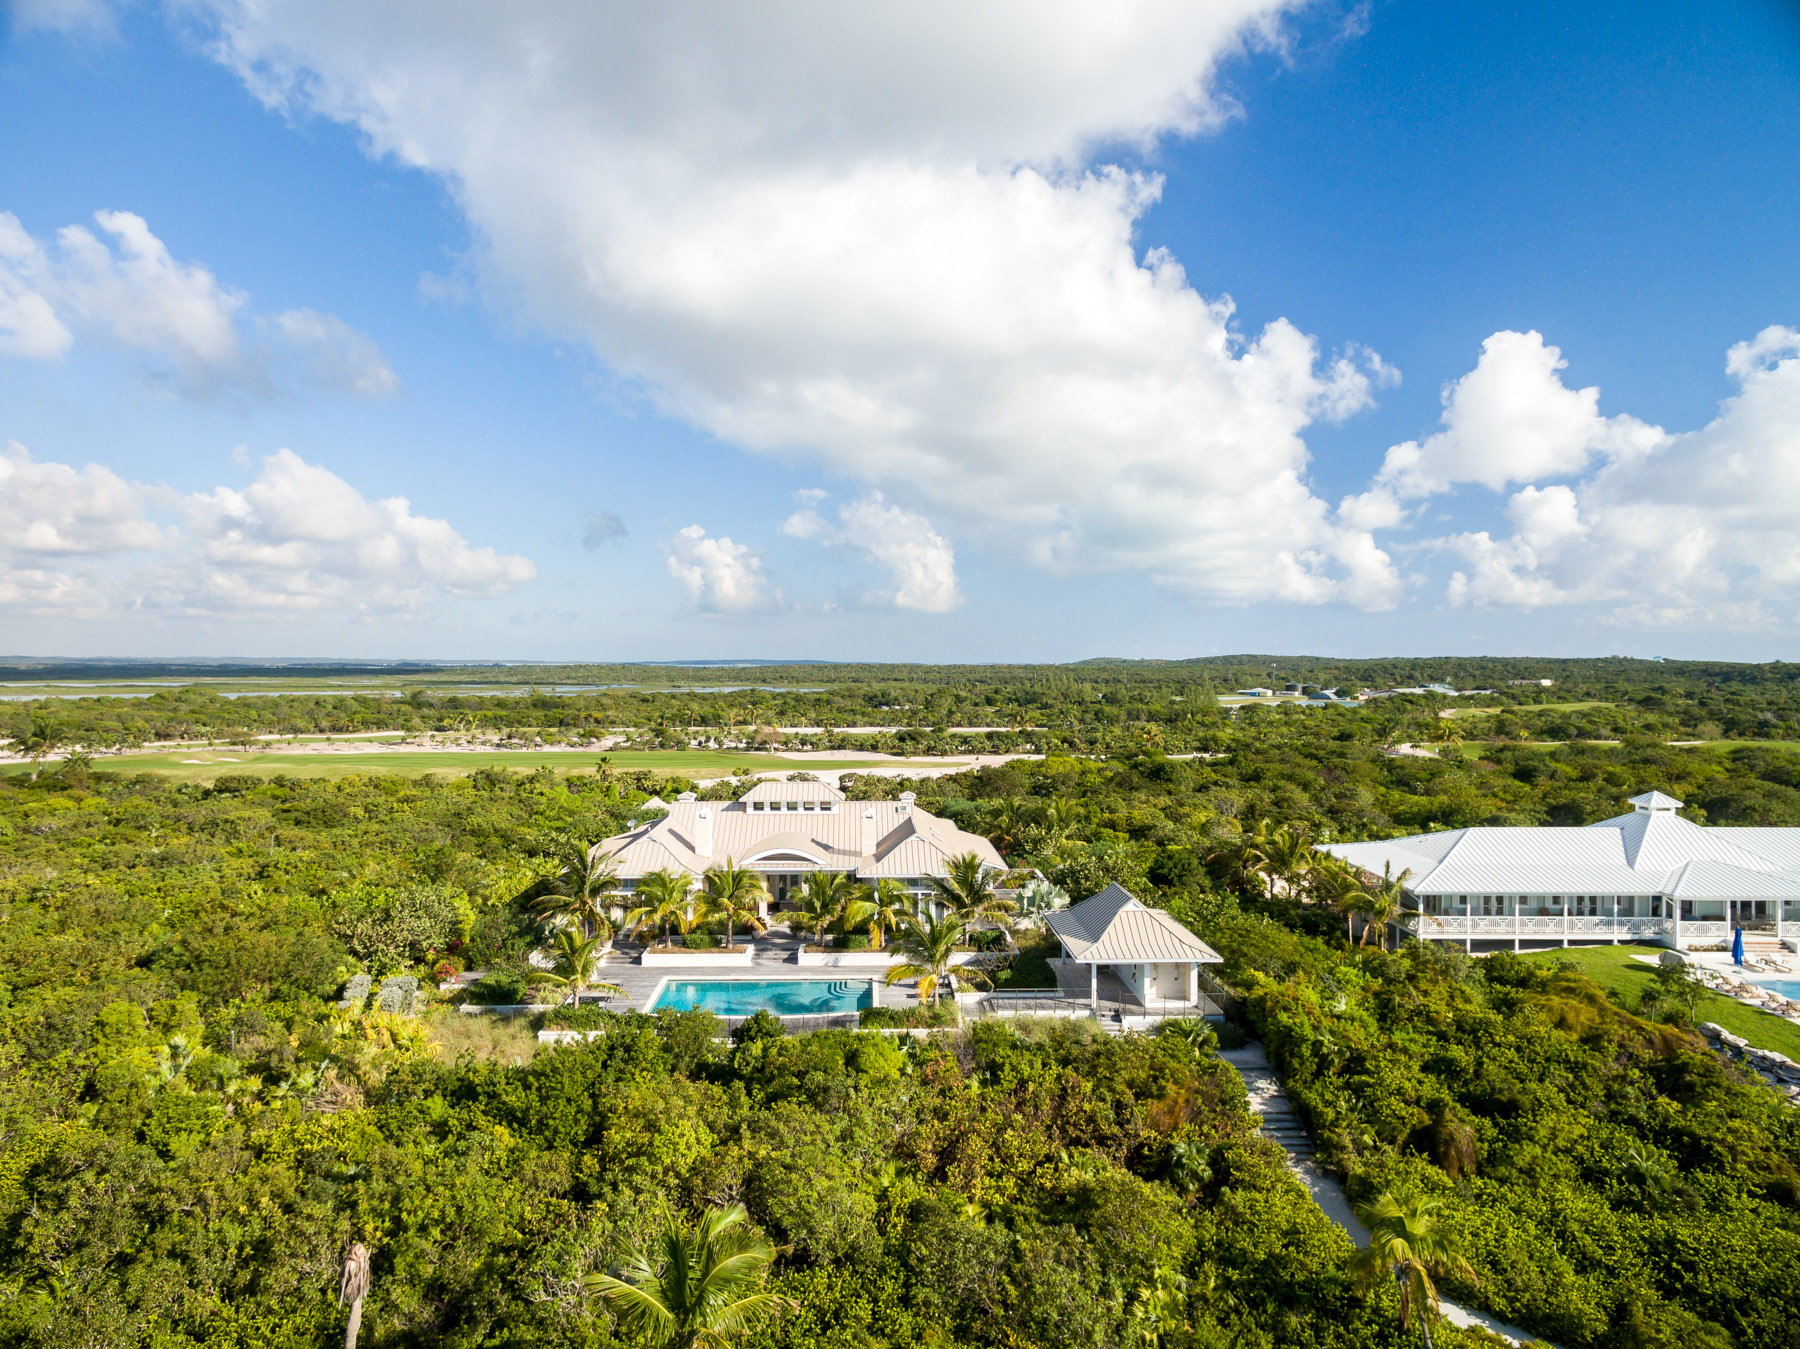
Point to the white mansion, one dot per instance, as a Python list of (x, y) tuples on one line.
[(784, 830), (1649, 876)]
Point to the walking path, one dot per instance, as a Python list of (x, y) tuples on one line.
[(1281, 1124)]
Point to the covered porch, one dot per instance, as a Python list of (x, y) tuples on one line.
[(1121, 957)]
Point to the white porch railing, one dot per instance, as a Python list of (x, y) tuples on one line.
[(1537, 925), (1693, 931)]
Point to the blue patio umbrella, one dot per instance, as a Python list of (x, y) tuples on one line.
[(1737, 946)]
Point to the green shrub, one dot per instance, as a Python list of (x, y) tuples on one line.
[(576, 1018), (857, 941), (699, 941), (899, 1018), (500, 988), (765, 1025)]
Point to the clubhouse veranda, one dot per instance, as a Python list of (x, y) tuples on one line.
[(1647, 876)]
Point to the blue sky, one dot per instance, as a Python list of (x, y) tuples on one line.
[(901, 336)]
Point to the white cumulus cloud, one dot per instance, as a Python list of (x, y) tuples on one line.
[(876, 236), (297, 539), (1512, 420), (721, 577), (1702, 526), (920, 560), (194, 335), (55, 509), (300, 537)]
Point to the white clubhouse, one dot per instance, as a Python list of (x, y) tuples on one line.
[(1649, 876), (783, 830)]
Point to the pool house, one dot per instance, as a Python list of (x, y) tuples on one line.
[(1139, 960), (1647, 876), (784, 830)]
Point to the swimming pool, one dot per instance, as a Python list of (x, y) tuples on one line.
[(744, 997), (1788, 988)]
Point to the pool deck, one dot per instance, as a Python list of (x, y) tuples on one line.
[(773, 960)]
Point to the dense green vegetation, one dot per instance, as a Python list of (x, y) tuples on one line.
[(1613, 1182), (1104, 706), (192, 1133)]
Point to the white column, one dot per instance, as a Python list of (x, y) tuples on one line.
[(874, 992), (1194, 983), (1094, 988)]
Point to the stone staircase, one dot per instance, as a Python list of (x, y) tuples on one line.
[(1281, 1124)]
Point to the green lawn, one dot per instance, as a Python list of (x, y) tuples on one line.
[(197, 765), (1521, 709), (1613, 968)]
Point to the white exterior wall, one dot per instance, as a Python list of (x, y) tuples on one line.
[(1171, 981)]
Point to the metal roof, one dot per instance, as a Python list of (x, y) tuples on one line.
[(868, 838), (1112, 928), (1652, 851)]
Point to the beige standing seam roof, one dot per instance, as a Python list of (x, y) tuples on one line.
[(870, 839), (1112, 928)]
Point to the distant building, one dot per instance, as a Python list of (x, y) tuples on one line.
[(1256, 693), (1538, 683), (1647, 876)]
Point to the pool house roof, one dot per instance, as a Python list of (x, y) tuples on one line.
[(1112, 928)]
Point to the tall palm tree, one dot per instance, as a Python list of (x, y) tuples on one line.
[(585, 879), (967, 889), (37, 744), (825, 901), (573, 957), (698, 1289), (1339, 885), (353, 1287), (1408, 1243), (1384, 904), (927, 946), (889, 905), (1446, 735), (735, 894), (663, 899)]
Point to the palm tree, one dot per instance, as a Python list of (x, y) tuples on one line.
[(1060, 814), (37, 744), (1288, 857), (967, 889), (1446, 735), (663, 899), (825, 901), (735, 894), (1408, 1243), (572, 966), (1340, 885), (889, 905), (586, 878), (1384, 905), (353, 1287), (1009, 819), (698, 1289), (928, 945)]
